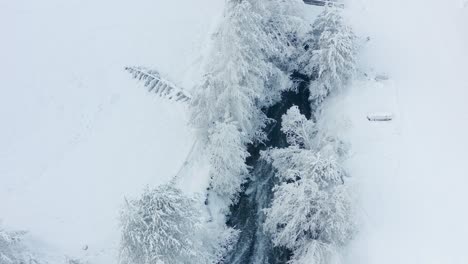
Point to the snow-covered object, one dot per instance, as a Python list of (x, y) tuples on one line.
[(381, 77), (159, 85), (380, 116)]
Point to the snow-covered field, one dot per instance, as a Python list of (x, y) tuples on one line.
[(77, 133)]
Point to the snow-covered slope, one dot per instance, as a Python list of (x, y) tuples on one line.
[(411, 171), (77, 133)]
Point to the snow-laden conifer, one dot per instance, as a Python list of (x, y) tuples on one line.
[(236, 74), (311, 207), (330, 53), (227, 157), (9, 248), (165, 226), (12, 249)]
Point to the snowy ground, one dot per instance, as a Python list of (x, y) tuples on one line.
[(77, 134), (411, 171)]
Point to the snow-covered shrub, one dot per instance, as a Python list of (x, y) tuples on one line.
[(298, 129), (330, 54), (165, 226), (311, 207)]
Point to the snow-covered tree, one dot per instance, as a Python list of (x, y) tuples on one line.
[(227, 158), (311, 205), (330, 53), (9, 248), (12, 249), (311, 202), (286, 24), (165, 226), (234, 83)]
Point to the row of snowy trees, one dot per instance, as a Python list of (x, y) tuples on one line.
[(311, 212), (311, 209), (245, 73), (255, 48)]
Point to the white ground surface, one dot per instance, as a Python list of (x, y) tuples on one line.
[(77, 134)]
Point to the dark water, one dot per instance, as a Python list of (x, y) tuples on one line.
[(254, 246)]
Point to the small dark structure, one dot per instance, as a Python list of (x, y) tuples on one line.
[(315, 2)]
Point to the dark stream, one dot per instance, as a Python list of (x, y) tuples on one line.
[(254, 246)]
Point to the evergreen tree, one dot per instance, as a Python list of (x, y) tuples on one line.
[(12, 249), (234, 83), (9, 246), (165, 226), (227, 158), (330, 53)]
